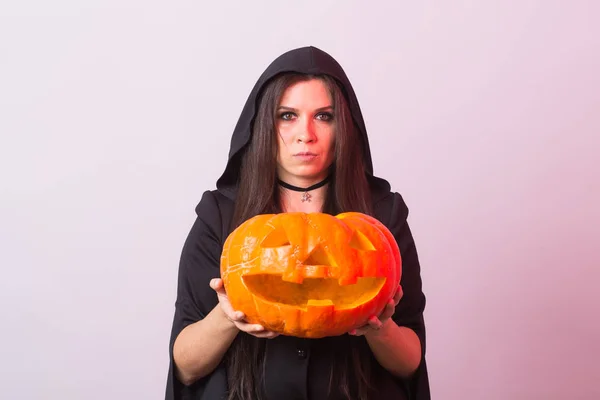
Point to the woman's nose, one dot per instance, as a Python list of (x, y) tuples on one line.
[(306, 133)]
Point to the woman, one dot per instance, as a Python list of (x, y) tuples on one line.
[(300, 145)]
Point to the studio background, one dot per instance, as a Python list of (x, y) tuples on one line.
[(115, 116)]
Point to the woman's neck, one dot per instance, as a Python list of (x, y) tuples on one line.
[(295, 201), (306, 196)]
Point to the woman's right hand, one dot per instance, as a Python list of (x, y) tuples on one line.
[(237, 317)]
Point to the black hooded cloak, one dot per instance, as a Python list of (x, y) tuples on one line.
[(296, 368)]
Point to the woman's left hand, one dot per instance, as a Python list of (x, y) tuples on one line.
[(376, 322)]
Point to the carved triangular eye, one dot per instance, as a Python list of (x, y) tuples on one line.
[(360, 242), (277, 238), (319, 256)]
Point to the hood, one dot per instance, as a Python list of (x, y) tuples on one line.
[(307, 60)]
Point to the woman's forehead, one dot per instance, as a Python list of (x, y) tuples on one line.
[(313, 93)]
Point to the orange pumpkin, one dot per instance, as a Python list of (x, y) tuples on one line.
[(310, 275)]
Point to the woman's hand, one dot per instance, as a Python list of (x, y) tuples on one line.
[(375, 323), (238, 317)]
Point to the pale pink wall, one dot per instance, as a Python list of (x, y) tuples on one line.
[(115, 116), (495, 112)]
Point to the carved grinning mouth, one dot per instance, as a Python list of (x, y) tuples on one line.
[(312, 282), (314, 291)]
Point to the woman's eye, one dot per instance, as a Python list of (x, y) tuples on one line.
[(286, 116), (325, 116)]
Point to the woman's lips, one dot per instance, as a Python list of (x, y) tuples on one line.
[(305, 156)]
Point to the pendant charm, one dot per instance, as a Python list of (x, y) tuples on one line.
[(306, 197)]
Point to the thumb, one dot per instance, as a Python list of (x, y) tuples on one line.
[(216, 284)]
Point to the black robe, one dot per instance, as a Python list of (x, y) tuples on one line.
[(296, 368)]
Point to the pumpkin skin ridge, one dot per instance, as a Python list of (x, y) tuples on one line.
[(310, 332), (294, 319)]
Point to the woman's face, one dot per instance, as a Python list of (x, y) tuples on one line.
[(305, 129)]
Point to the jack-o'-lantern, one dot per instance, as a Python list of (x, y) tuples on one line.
[(310, 275)]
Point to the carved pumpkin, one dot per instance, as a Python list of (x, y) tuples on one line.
[(310, 275)]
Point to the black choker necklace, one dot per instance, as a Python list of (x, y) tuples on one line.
[(305, 196)]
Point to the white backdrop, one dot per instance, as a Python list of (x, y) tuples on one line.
[(116, 115)]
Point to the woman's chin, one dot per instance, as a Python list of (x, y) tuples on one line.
[(315, 175)]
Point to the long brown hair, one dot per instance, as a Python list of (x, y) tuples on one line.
[(258, 194)]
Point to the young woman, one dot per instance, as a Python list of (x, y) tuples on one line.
[(300, 145)]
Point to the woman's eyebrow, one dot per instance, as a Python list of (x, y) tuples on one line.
[(286, 108)]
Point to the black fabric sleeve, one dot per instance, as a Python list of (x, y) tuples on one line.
[(409, 311), (199, 263)]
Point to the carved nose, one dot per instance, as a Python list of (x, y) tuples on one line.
[(319, 256)]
